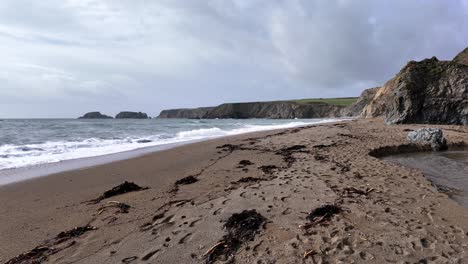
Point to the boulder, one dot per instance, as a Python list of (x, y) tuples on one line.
[(135, 115), (95, 115), (429, 136)]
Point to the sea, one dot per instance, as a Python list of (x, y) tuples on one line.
[(30, 144)]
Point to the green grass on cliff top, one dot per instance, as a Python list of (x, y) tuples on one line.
[(332, 101)]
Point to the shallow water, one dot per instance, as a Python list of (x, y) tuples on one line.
[(448, 170)]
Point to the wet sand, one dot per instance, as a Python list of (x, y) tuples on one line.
[(387, 212)]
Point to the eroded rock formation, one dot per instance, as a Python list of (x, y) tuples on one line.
[(94, 115), (126, 114), (275, 110), (429, 91)]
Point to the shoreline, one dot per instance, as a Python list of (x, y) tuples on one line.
[(11, 176), (44, 170), (401, 216)]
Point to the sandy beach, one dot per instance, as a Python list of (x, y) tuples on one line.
[(383, 212)]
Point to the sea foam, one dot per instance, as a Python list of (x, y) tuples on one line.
[(17, 156)]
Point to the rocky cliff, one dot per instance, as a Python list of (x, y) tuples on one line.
[(462, 57), (190, 113), (274, 110), (356, 109), (136, 115), (429, 91), (95, 115)]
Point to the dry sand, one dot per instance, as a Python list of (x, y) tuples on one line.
[(390, 214)]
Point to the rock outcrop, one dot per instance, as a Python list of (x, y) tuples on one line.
[(95, 115), (194, 113), (135, 115), (462, 57), (356, 109), (429, 136), (273, 110), (428, 92)]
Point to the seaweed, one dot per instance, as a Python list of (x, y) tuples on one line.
[(241, 228), (244, 163), (320, 157), (351, 192), (41, 253), (268, 169), (229, 147), (324, 213), (289, 151), (248, 179), (187, 180), (322, 146), (125, 187), (75, 232)]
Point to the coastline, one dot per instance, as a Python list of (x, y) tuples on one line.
[(12, 176), (403, 208), (25, 169)]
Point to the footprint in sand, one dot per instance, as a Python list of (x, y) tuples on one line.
[(218, 211), (184, 238), (150, 255), (129, 259), (194, 222)]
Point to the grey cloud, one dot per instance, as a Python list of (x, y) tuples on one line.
[(149, 55)]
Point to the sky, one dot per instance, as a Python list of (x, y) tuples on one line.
[(62, 58)]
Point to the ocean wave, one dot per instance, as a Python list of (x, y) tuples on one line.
[(16, 156)]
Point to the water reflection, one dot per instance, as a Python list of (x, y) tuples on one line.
[(448, 170)]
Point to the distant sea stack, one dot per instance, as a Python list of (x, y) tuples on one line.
[(95, 115), (273, 110), (134, 115), (425, 92)]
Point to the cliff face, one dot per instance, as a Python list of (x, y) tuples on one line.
[(137, 115), (426, 92), (274, 110), (195, 113), (356, 109), (429, 91), (462, 57)]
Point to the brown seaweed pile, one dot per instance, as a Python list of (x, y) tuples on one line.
[(186, 180), (323, 214), (241, 228), (244, 163), (41, 253), (288, 152), (125, 187), (268, 169)]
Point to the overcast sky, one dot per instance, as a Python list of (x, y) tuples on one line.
[(61, 58)]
